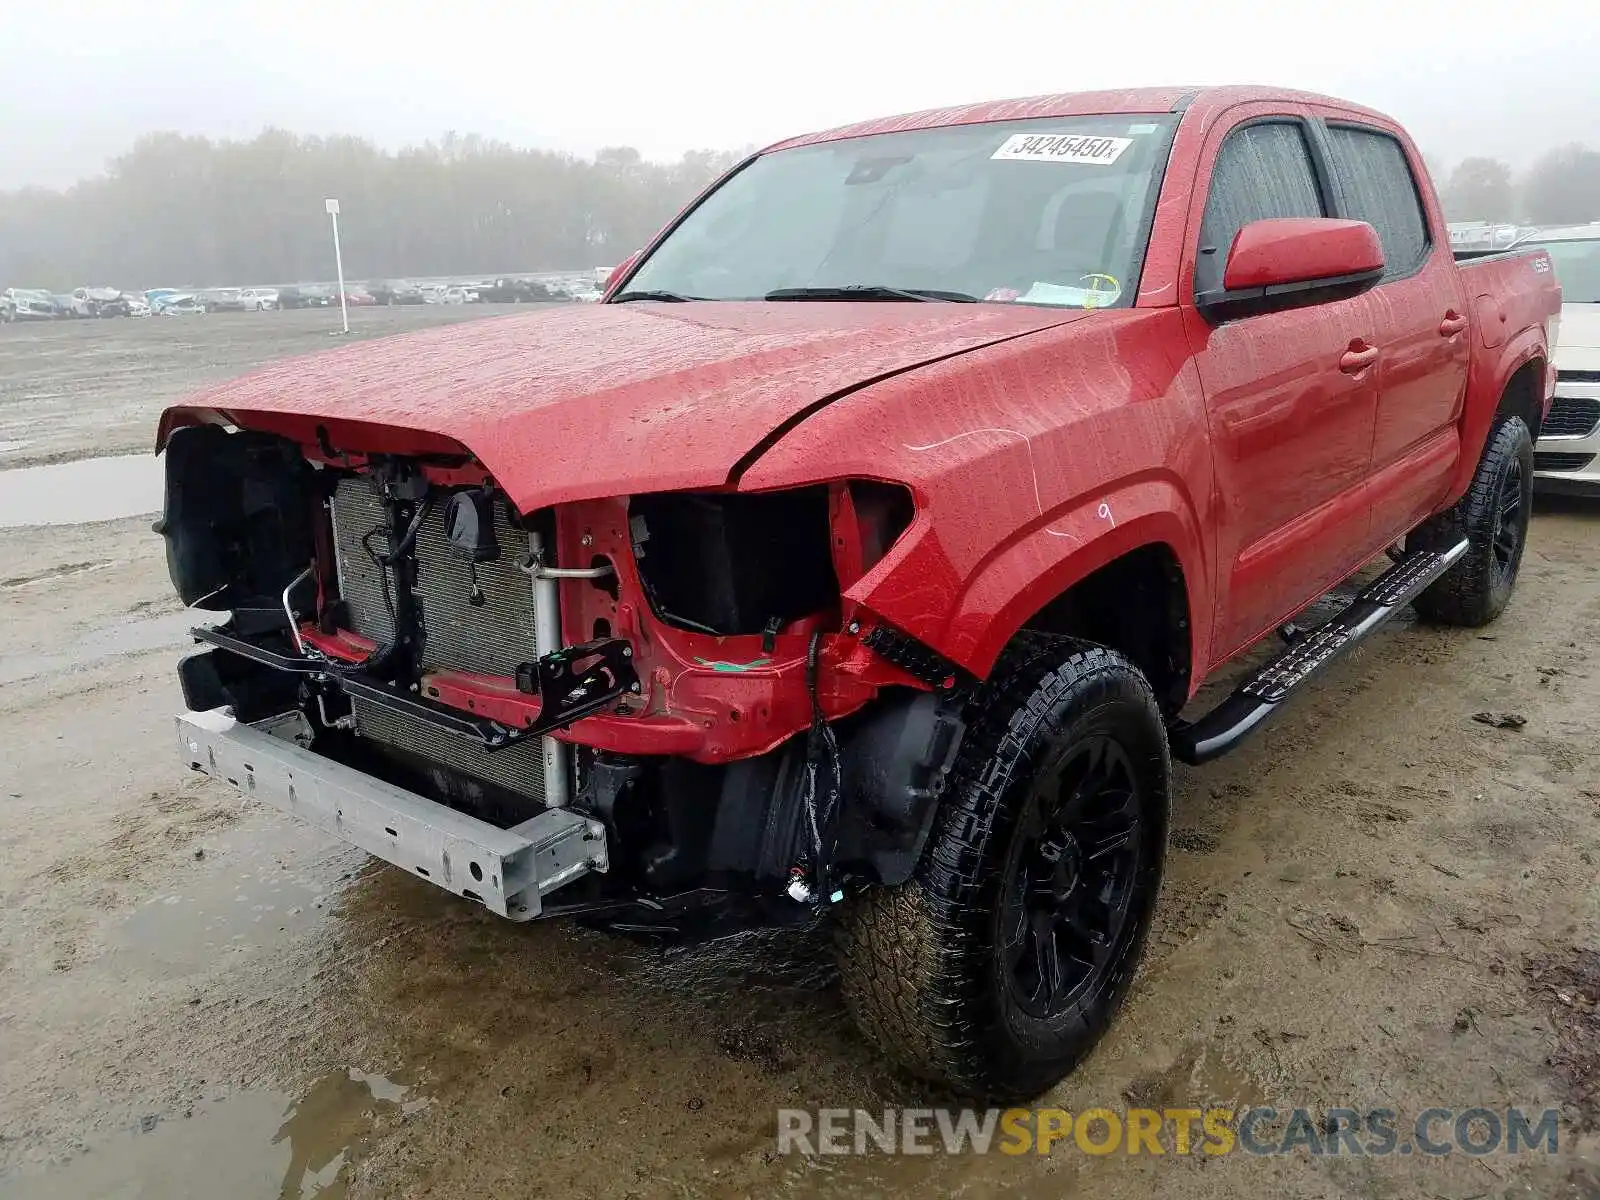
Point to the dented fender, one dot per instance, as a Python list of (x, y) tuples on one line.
[(1044, 562)]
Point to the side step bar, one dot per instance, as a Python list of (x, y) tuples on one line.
[(1260, 696)]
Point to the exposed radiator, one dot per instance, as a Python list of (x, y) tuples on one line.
[(491, 638), (519, 768)]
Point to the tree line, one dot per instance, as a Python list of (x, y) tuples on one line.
[(1561, 188), (192, 211)]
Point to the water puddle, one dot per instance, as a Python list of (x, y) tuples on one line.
[(73, 493), (253, 1145), (257, 886), (168, 631)]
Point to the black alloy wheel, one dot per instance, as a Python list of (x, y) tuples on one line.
[(1071, 879)]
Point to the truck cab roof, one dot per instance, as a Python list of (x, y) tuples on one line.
[(1171, 99)]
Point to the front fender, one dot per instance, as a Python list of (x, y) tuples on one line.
[(1040, 563)]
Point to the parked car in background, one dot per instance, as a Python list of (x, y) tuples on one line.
[(585, 293), (8, 310), (395, 292), (432, 293), (137, 305), (359, 297), (514, 291), (259, 299), (308, 296), (98, 302), (180, 304), (223, 300), (1567, 458), (69, 306), (31, 304)]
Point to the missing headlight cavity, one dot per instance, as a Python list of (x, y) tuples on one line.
[(237, 518), (884, 511), (732, 564)]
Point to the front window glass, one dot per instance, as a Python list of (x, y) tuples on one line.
[(1051, 212), (1262, 171)]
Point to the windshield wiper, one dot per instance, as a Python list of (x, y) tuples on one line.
[(869, 291), (624, 297)]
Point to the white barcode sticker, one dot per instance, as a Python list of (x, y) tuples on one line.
[(1063, 148)]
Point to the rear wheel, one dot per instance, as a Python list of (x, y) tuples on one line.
[(1000, 964), (1493, 517)]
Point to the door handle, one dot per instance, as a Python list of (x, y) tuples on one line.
[(1358, 358), (1452, 324)]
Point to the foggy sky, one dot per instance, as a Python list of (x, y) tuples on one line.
[(80, 79)]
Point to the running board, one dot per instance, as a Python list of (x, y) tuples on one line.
[(1260, 696)]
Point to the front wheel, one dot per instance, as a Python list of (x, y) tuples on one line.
[(1002, 961), (1493, 517)]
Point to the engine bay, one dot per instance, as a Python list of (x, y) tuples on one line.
[(681, 666)]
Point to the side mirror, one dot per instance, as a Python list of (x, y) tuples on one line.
[(1293, 262), (619, 271)]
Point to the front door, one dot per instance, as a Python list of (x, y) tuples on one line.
[(1292, 397)]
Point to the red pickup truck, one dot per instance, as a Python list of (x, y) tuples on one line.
[(857, 559)]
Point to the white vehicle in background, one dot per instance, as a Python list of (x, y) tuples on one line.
[(585, 293), (443, 293), (138, 306), (179, 304), (30, 304), (1567, 457), (1483, 236), (259, 299), (221, 300), (97, 302)]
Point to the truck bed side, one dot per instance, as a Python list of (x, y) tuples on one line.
[(1514, 299)]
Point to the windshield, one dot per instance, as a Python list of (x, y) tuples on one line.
[(1577, 263), (1051, 212)]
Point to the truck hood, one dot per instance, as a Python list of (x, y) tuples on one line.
[(1578, 347), (605, 400)]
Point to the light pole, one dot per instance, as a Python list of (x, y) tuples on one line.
[(332, 206)]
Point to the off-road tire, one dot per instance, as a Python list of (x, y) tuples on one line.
[(922, 965), (1477, 589)]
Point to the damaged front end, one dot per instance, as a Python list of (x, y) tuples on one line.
[(659, 706)]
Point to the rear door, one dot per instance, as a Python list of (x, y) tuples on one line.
[(1291, 396), (1419, 315)]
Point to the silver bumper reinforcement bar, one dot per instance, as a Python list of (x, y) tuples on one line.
[(508, 871)]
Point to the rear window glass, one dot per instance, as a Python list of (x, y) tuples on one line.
[(1377, 187)]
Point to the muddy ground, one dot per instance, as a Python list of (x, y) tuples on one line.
[(74, 388), (1380, 902)]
